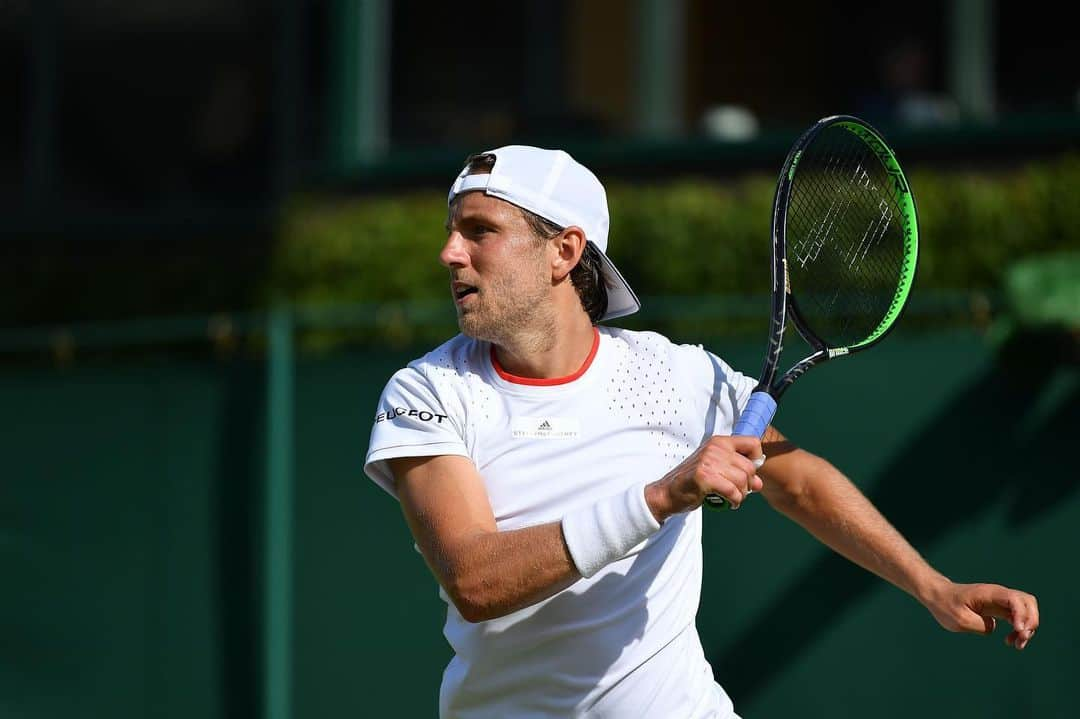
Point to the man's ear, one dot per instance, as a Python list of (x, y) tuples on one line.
[(569, 244)]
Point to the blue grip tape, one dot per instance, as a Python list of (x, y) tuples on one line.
[(757, 415)]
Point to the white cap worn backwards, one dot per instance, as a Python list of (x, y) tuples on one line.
[(553, 185)]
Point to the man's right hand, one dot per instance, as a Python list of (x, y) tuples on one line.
[(721, 465)]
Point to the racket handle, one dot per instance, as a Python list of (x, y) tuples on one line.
[(752, 423), (757, 415)]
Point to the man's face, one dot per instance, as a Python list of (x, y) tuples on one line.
[(499, 274)]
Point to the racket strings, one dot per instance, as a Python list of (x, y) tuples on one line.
[(845, 238)]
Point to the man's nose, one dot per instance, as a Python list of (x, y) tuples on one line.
[(453, 252)]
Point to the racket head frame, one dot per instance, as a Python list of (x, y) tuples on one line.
[(785, 306)]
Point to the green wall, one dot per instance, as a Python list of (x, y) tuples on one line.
[(130, 516)]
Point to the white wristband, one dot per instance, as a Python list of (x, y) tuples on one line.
[(599, 534)]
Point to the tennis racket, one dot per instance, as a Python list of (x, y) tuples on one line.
[(845, 241)]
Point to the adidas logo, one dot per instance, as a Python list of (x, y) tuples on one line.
[(545, 428)]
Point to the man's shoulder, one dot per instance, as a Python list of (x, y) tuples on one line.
[(453, 356), (650, 342), (643, 338), (649, 351), (453, 360)]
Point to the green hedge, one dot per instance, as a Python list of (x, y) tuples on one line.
[(686, 237), (696, 249)]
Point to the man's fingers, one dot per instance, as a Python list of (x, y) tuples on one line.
[(747, 446), (744, 474), (1020, 609), (1019, 640), (745, 466), (726, 466), (965, 619), (729, 491), (720, 462)]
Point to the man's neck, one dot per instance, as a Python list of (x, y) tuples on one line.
[(557, 354)]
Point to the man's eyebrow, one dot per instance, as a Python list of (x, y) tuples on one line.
[(472, 218)]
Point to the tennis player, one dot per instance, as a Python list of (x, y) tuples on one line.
[(551, 470)]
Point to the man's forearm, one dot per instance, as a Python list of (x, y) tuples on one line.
[(486, 573), (825, 503), (491, 574)]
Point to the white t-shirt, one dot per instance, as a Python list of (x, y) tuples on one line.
[(621, 643)]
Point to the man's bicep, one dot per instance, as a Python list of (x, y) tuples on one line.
[(444, 501)]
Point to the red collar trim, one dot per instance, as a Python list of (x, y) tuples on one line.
[(534, 382)]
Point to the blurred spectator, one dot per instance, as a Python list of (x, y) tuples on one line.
[(904, 95)]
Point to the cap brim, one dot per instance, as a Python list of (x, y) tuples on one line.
[(621, 299)]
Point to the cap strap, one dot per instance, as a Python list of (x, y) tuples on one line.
[(470, 182)]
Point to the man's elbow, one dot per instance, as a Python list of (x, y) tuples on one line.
[(474, 614), (470, 599), (785, 497), (474, 611), (791, 487), (788, 493)]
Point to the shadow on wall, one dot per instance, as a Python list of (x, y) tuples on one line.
[(1029, 403)]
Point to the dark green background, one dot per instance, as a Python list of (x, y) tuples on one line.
[(131, 505)]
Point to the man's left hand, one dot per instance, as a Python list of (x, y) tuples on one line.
[(977, 607)]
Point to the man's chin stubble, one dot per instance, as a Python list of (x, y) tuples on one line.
[(484, 332)]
